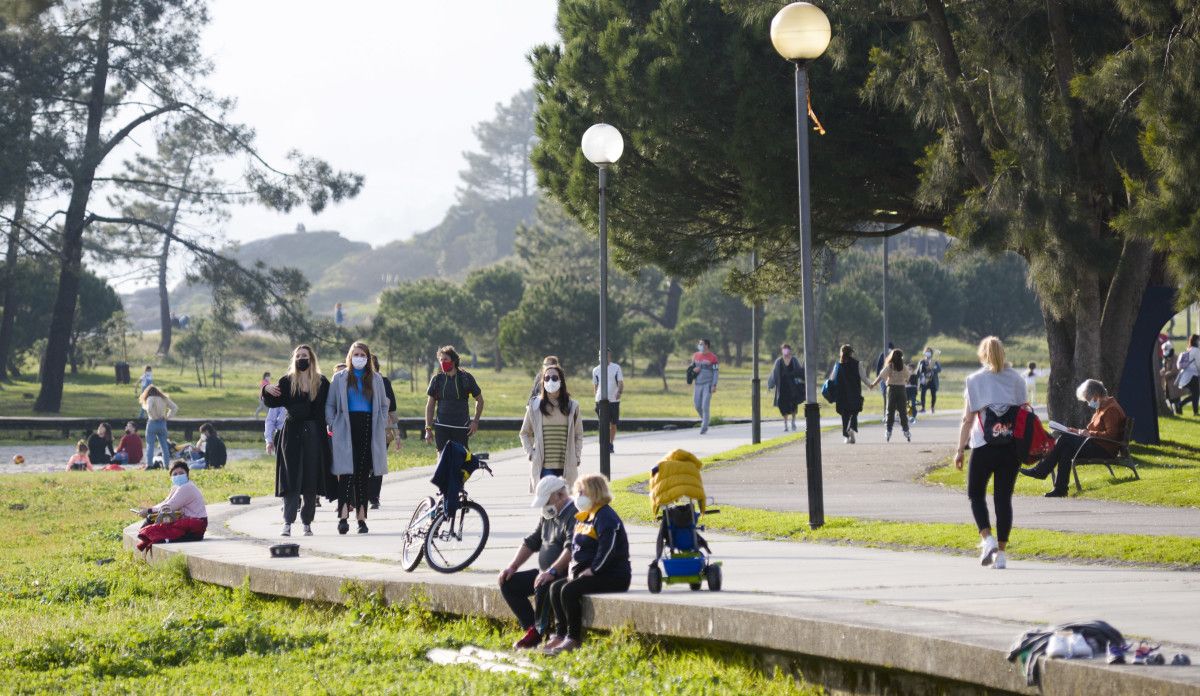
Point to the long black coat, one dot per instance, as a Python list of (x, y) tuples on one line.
[(302, 453), (847, 388)]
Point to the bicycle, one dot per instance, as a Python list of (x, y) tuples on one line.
[(448, 544)]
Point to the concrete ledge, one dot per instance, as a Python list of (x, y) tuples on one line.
[(953, 654)]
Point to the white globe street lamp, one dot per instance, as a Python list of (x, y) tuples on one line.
[(800, 33), (602, 145)]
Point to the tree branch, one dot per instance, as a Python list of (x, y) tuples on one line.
[(974, 154), (133, 125)]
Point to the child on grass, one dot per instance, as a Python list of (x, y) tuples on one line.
[(80, 461)]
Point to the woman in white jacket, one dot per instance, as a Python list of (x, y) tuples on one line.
[(357, 413), (552, 433)]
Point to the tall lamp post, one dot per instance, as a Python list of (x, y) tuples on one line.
[(755, 380), (800, 33), (602, 145)]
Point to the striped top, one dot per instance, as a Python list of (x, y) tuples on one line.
[(554, 439)]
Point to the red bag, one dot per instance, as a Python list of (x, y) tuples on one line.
[(1032, 440)]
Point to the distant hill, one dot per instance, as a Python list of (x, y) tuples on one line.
[(475, 233)]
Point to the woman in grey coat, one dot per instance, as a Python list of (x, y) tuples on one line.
[(357, 412)]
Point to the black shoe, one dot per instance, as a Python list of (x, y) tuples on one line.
[(343, 526), (362, 527), (375, 505), (1056, 494), (1037, 471)]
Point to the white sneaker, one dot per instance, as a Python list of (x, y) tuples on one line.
[(845, 440), (853, 436), (308, 530), (1001, 561), (988, 549), (287, 530)]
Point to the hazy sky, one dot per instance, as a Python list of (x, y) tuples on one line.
[(387, 88)]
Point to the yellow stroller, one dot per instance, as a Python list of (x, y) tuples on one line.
[(681, 554)]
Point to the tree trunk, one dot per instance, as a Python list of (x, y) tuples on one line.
[(7, 322), (62, 317), (670, 316), (164, 299)]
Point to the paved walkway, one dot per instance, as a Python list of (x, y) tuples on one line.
[(916, 611), (875, 479)]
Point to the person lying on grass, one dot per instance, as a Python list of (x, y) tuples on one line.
[(184, 499)]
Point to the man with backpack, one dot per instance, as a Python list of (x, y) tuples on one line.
[(1108, 424)]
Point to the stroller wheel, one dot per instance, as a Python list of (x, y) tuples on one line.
[(713, 575), (654, 579), (694, 586)]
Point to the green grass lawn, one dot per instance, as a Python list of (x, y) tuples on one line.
[(1181, 461), (1170, 471), (80, 614)]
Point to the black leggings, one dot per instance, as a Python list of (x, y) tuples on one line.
[(987, 462), (1193, 396), (566, 599), (896, 403), (849, 422), (1068, 447), (932, 396), (517, 589)]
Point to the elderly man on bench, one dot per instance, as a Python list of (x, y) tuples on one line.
[(1102, 439)]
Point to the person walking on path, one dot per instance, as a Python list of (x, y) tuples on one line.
[(552, 432), (992, 394), (301, 444), (599, 562), (849, 376), (705, 366), (879, 364), (1031, 377), (357, 414), (787, 379), (100, 445), (929, 372), (537, 379), (1189, 374), (159, 409), (446, 415), (262, 406), (616, 385), (129, 451), (376, 484), (549, 540), (895, 376), (1108, 423)]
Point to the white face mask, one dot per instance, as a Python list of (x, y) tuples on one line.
[(928, 354), (583, 503), (700, 347), (787, 353), (549, 511), (359, 362), (552, 386)]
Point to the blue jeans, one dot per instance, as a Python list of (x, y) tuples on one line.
[(156, 432)]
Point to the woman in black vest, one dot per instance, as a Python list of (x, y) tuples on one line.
[(848, 380), (787, 379)]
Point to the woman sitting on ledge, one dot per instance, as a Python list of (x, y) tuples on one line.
[(186, 500), (1100, 440)]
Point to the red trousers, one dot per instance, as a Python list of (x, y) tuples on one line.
[(191, 527)]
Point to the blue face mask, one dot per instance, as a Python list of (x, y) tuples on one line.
[(1094, 404), (179, 479)]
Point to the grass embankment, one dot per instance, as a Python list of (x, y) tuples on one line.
[(1170, 471), (79, 614), (1183, 552)]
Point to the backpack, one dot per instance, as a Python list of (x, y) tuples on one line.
[(829, 387), (1019, 427), (998, 428)]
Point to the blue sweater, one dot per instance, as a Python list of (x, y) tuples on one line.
[(355, 399)]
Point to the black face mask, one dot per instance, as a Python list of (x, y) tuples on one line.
[(302, 364)]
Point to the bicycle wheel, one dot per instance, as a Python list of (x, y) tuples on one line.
[(454, 542), (414, 534)]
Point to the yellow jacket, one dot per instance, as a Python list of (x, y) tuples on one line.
[(677, 475)]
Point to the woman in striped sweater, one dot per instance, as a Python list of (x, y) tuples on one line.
[(552, 432)]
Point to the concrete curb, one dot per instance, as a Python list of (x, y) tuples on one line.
[(967, 652)]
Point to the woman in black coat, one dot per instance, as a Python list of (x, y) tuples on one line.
[(303, 455), (848, 381), (787, 379)]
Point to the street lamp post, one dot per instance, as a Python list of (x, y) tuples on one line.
[(800, 33), (602, 145), (755, 380)]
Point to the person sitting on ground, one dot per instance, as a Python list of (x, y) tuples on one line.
[(215, 453), (599, 562), (129, 451), (186, 500), (80, 461), (550, 540), (100, 445), (1100, 440)]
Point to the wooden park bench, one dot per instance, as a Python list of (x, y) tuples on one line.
[(1123, 457)]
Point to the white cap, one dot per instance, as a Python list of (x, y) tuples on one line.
[(548, 486)]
